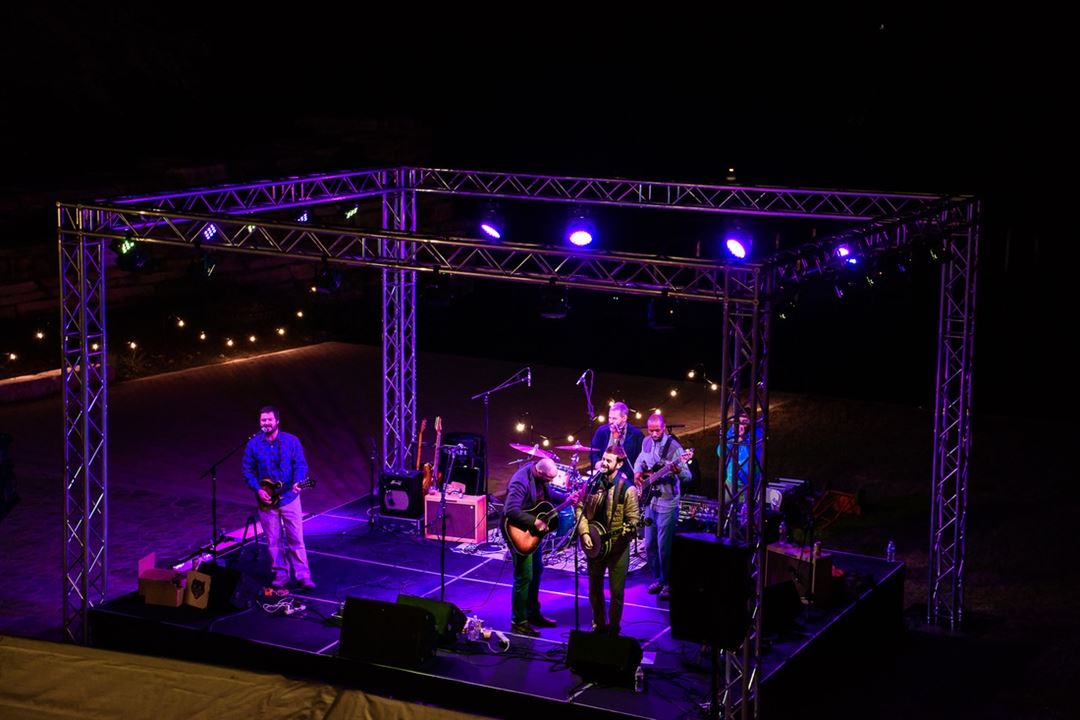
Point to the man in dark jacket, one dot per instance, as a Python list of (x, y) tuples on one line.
[(527, 487), (618, 431)]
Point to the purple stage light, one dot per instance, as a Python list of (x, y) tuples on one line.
[(581, 238), (491, 230), (844, 253), (735, 248)]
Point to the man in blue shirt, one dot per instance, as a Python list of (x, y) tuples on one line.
[(276, 456)]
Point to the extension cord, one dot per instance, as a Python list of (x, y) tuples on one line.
[(295, 608)]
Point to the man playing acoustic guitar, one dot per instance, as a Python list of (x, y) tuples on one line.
[(275, 455), (528, 487), (612, 503)]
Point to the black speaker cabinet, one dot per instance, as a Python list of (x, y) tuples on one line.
[(595, 657), (710, 590), (387, 633), (449, 620), (401, 493), (230, 589), (781, 605)]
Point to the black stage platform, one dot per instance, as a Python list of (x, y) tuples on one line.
[(352, 557)]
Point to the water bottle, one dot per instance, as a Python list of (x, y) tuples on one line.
[(890, 551), (639, 679)]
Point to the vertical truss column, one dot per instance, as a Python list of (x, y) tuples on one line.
[(82, 366), (952, 422), (744, 391), (399, 325)]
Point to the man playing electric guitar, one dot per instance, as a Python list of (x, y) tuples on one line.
[(663, 507), (276, 455), (528, 487), (612, 502)]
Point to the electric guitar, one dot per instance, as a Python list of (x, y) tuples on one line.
[(276, 489), (524, 542), (432, 476), (652, 478), (603, 542)]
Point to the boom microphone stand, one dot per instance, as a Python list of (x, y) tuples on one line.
[(216, 535), (521, 376)]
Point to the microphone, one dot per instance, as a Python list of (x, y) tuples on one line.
[(582, 378), (528, 376)]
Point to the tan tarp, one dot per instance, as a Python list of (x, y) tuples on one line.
[(51, 680)]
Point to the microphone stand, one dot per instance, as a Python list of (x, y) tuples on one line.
[(515, 379), (215, 533), (442, 517)]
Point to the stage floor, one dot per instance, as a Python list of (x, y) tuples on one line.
[(353, 557)]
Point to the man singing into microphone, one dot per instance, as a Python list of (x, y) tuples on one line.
[(621, 433), (275, 455)]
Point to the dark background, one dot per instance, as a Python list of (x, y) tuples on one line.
[(103, 101)]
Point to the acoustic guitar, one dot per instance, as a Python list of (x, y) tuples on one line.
[(524, 542)]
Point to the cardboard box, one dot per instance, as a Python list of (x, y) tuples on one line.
[(160, 586)]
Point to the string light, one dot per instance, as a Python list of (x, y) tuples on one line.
[(569, 438), (281, 331), (691, 374), (299, 313), (673, 392), (132, 345), (520, 427), (12, 356), (202, 336), (94, 346), (600, 418), (39, 335), (228, 342), (637, 416), (714, 386), (179, 322), (251, 338), (546, 442)]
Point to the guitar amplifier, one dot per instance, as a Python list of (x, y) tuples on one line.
[(400, 493), (785, 561), (466, 518)]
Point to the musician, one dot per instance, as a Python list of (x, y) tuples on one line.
[(527, 487), (273, 454), (619, 432), (613, 503), (663, 509)]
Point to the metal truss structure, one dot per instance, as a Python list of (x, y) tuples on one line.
[(235, 218)]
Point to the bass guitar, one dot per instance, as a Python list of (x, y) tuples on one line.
[(604, 542), (276, 490), (432, 476), (651, 479), (524, 542)]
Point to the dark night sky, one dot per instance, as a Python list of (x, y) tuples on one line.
[(105, 97)]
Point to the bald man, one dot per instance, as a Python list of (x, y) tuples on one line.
[(527, 487)]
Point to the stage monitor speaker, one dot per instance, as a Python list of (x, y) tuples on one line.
[(230, 589), (466, 518), (387, 633), (710, 590), (603, 659), (449, 619), (402, 493), (781, 605)]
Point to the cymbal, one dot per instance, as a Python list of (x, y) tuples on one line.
[(576, 447), (534, 450)]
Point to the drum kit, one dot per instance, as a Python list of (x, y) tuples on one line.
[(568, 479)]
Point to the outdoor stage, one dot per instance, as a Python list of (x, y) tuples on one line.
[(353, 557)]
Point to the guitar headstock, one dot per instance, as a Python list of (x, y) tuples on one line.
[(438, 424), (423, 425)]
